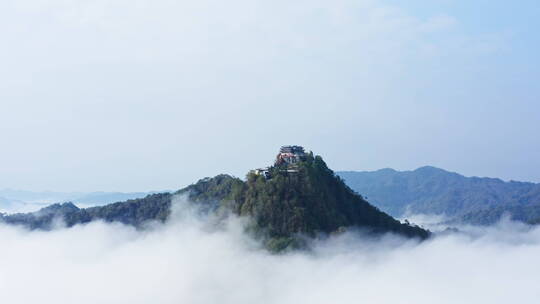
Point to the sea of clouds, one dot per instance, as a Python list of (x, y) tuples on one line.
[(190, 259)]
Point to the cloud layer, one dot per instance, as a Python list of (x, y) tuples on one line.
[(190, 260)]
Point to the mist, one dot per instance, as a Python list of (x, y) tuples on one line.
[(191, 259)]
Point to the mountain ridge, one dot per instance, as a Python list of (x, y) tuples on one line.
[(431, 190), (16, 201), (294, 199)]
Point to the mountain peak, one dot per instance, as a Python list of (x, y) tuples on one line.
[(58, 208), (299, 197), (305, 197), (430, 169)]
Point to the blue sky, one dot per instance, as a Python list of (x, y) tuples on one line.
[(141, 95)]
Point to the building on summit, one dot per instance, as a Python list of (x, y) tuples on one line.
[(290, 155)]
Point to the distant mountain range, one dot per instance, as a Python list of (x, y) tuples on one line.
[(307, 199), (12, 201), (297, 198), (430, 190)]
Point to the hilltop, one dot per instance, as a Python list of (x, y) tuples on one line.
[(296, 198), (303, 197)]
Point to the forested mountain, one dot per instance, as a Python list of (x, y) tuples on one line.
[(132, 212), (310, 201), (431, 190), (283, 207), (26, 201), (523, 213)]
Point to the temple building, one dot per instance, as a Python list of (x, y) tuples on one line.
[(290, 155)]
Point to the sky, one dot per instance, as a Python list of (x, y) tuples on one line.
[(140, 95), (190, 259)]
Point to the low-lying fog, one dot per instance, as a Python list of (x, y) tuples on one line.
[(189, 261)]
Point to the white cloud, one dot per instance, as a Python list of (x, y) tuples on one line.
[(191, 261)]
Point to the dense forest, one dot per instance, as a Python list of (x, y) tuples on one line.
[(134, 212), (527, 214), (308, 202), (283, 210), (430, 190)]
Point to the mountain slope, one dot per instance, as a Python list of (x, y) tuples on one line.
[(306, 201), (27, 201), (134, 212), (523, 213), (435, 191)]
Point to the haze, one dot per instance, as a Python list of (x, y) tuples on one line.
[(191, 260), (154, 94)]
